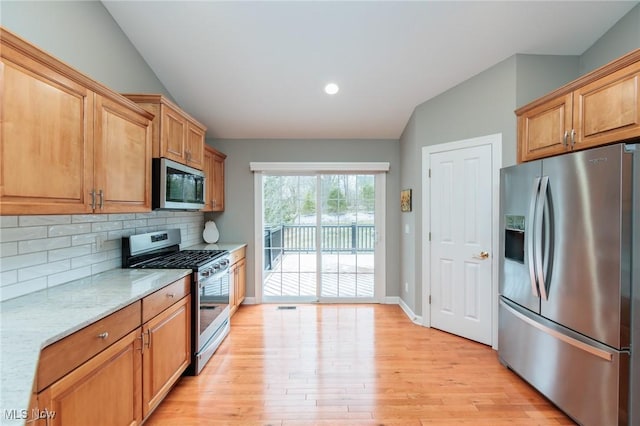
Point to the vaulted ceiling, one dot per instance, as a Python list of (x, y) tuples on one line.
[(258, 69)]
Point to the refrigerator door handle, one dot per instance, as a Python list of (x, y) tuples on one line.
[(531, 237), (582, 345), (539, 220)]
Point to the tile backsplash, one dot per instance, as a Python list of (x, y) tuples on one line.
[(37, 252)]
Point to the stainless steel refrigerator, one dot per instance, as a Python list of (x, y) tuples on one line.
[(566, 323)]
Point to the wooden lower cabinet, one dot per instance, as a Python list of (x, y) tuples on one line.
[(125, 382), (106, 390), (167, 352), (237, 278)]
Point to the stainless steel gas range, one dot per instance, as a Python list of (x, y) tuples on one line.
[(209, 285)]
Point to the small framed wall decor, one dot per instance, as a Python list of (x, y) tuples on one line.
[(405, 200)]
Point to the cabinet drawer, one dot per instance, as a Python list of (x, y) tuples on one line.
[(236, 255), (58, 359), (157, 302)]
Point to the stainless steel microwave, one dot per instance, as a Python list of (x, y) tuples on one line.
[(176, 186)]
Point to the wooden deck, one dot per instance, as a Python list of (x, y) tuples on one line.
[(342, 275)]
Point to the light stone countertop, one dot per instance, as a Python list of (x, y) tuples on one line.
[(31, 322), (216, 246)]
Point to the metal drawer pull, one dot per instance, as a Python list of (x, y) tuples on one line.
[(170, 295), (103, 335)]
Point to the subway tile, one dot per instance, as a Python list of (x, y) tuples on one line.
[(22, 288), (65, 277), (73, 229), (146, 229), (96, 268), (88, 260), (117, 235), (67, 253), (105, 226), (82, 239), (112, 244), (149, 215), (157, 221), (19, 234), (44, 220), (89, 218), (121, 216), (43, 244), (134, 223), (8, 249), (33, 272), (9, 277), (23, 261), (8, 221)]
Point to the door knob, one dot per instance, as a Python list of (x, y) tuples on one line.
[(482, 256)]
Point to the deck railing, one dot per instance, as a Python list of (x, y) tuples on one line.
[(351, 238)]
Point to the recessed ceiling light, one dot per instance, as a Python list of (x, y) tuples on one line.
[(331, 89)]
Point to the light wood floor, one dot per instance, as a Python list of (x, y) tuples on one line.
[(350, 365)]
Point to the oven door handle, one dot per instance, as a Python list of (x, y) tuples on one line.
[(216, 277)]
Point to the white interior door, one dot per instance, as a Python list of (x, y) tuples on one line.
[(461, 201)]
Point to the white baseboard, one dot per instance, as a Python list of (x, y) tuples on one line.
[(407, 310), (391, 300)]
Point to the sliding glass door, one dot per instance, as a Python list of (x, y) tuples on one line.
[(320, 237)]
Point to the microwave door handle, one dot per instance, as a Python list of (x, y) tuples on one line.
[(530, 235), (542, 199)]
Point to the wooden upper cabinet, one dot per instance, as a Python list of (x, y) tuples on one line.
[(195, 145), (608, 109), (46, 138), (599, 108), (55, 122), (214, 172), (176, 135), (544, 130), (122, 154)]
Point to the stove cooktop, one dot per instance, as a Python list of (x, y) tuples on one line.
[(187, 259)]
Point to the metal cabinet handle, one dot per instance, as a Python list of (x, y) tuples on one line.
[(103, 336), (93, 199), (565, 138), (573, 137), (101, 196), (170, 295)]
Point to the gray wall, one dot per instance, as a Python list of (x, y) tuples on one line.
[(236, 224), (620, 39), (484, 105), (85, 36), (480, 106)]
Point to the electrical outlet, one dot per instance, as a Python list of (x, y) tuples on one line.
[(406, 229), (406, 287)]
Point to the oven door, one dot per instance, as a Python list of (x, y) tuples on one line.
[(211, 318)]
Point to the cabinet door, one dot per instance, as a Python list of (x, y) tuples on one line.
[(45, 139), (195, 146), (544, 130), (241, 281), (103, 391), (173, 134), (122, 158), (217, 196), (608, 110), (208, 172), (167, 352), (233, 277)]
